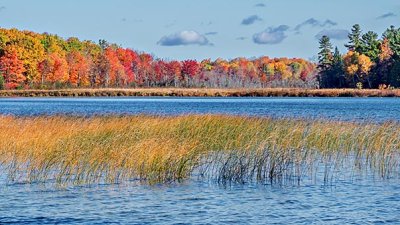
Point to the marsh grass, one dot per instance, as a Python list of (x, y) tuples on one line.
[(222, 148)]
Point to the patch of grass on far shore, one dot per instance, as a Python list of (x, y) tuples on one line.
[(203, 92)]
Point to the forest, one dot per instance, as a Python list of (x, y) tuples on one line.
[(369, 63), (30, 60)]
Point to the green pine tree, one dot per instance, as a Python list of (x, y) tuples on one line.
[(355, 43), (371, 45), (393, 36), (338, 78), (324, 61)]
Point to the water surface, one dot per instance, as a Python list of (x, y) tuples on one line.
[(202, 203), (373, 109), (366, 201)]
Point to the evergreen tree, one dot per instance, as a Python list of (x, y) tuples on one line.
[(103, 44), (338, 75), (394, 74), (324, 61), (393, 36), (355, 39), (325, 54), (371, 45)]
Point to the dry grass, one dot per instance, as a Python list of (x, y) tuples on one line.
[(193, 92), (166, 149)]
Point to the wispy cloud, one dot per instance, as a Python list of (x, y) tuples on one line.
[(241, 38), (386, 15), (124, 19), (336, 34), (2, 8), (272, 35), (250, 20), (314, 23), (169, 25), (186, 37), (209, 23), (260, 5), (211, 33)]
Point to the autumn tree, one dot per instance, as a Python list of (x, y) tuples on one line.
[(174, 72), (53, 70), (53, 44), (190, 68), (12, 69), (31, 52), (143, 69), (357, 67), (115, 70), (128, 58), (52, 61), (78, 70)]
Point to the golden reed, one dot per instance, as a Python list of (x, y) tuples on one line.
[(167, 149)]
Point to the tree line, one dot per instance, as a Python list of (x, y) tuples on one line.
[(30, 60), (370, 62)]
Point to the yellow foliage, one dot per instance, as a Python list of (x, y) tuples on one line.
[(357, 64)]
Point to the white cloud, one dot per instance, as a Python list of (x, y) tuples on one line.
[(186, 37), (272, 35)]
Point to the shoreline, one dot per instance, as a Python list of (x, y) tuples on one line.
[(202, 92)]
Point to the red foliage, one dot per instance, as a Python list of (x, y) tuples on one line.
[(115, 70), (44, 59), (190, 68), (128, 59), (53, 69), (12, 69), (78, 69)]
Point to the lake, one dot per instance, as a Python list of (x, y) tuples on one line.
[(353, 109), (359, 200)]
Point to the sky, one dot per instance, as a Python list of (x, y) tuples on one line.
[(192, 29)]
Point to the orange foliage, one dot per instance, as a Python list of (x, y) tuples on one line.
[(78, 69), (12, 69), (54, 69), (49, 59)]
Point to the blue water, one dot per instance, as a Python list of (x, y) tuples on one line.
[(202, 203), (372, 109), (365, 201)]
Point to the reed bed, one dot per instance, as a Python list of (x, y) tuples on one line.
[(223, 148), (203, 92)]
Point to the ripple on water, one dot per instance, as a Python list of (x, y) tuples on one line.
[(201, 203), (359, 109)]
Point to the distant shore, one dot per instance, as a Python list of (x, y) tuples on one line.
[(203, 92)]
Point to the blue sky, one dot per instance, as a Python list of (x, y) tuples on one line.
[(179, 29)]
